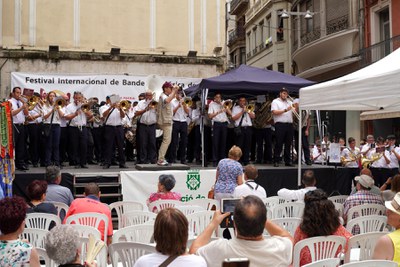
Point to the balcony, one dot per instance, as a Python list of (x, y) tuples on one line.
[(236, 35), (238, 6), (378, 51)]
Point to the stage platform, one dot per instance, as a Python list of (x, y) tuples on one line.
[(329, 178)]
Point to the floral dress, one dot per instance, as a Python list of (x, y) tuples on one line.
[(14, 253)]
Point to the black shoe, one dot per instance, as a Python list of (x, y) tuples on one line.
[(309, 163), (289, 165), (35, 165), (77, 166), (92, 162), (106, 166), (114, 163), (276, 164), (123, 166), (183, 162), (21, 168), (84, 166)]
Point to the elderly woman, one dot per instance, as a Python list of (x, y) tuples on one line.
[(229, 174), (166, 183), (171, 236), (320, 218), (13, 251), (62, 246), (36, 192)]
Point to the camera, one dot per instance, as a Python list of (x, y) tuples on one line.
[(228, 205)]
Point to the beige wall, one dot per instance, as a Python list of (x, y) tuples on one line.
[(135, 26)]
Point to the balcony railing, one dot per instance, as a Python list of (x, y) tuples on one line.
[(378, 51), (236, 35), (310, 36), (238, 5), (337, 25)]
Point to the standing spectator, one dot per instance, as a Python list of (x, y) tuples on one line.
[(229, 174), (250, 186), (309, 183), (14, 251), (56, 192)]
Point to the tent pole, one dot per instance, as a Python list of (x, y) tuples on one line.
[(203, 102), (300, 150)]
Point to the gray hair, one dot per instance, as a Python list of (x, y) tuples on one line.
[(61, 244), (167, 180), (52, 172)]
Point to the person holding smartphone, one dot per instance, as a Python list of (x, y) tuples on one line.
[(250, 220)]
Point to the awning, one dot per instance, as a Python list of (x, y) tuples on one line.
[(379, 115)]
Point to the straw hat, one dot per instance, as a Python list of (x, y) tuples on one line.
[(394, 205)]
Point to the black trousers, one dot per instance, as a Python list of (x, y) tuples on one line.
[(304, 144), (244, 142), (219, 134), (179, 137), (147, 143), (113, 135), (97, 134), (78, 140), (380, 175), (19, 144), (64, 147), (34, 142), (264, 145), (284, 136)]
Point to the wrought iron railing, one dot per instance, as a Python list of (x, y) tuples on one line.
[(378, 51), (337, 25), (310, 36), (236, 3), (235, 35)]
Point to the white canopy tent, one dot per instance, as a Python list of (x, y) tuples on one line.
[(374, 88)]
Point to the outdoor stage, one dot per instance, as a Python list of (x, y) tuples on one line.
[(116, 184)]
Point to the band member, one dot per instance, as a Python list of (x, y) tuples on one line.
[(281, 109), (350, 157), (52, 112), (113, 114), (77, 130), (147, 119), (19, 109), (194, 134), (34, 130), (306, 122), (394, 153), (164, 119), (242, 115), (318, 156), (380, 160), (218, 114), (65, 149), (128, 131), (97, 130), (263, 132), (179, 129)]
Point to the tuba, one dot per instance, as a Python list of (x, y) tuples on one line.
[(263, 115)]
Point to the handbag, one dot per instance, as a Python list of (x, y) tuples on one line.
[(211, 193), (238, 130)]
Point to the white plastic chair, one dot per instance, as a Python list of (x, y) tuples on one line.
[(289, 224), (367, 224), (36, 237), (331, 262), (86, 230), (273, 201), (158, 205), (206, 203), (198, 221), (339, 207), (321, 247), (365, 210), (122, 207), (40, 220), (128, 252), (188, 209), (137, 217), (43, 256), (365, 243), (289, 209), (142, 233), (371, 263), (62, 208), (338, 199), (91, 219)]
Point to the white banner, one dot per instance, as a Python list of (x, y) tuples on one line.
[(192, 184), (128, 87)]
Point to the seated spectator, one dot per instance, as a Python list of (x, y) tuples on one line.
[(394, 183), (36, 192), (250, 219), (309, 182), (62, 246), (250, 187), (91, 203), (388, 246), (166, 182), (56, 192), (14, 251), (320, 218), (171, 235), (374, 189)]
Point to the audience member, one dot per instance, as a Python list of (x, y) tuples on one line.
[(320, 218), (91, 203), (229, 174), (362, 196), (166, 182), (171, 235), (56, 192), (309, 182), (62, 246), (394, 183), (388, 246), (14, 251), (250, 218), (250, 187), (36, 191)]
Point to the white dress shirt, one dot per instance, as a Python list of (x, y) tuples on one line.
[(215, 107), (56, 118), (114, 118), (80, 119), (348, 153), (150, 116), (246, 117), (279, 104), (180, 114), (20, 116)]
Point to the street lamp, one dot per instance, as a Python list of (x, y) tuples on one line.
[(285, 14)]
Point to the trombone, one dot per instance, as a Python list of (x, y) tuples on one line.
[(60, 102), (295, 112)]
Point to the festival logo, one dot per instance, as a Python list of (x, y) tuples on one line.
[(193, 180)]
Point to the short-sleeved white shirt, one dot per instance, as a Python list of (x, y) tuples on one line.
[(180, 114), (114, 118), (79, 120), (150, 116), (279, 104), (348, 153), (394, 162), (214, 107), (19, 117), (246, 117), (244, 190), (155, 259)]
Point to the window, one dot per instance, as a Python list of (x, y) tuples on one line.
[(242, 55), (384, 25), (269, 67), (309, 22), (281, 67), (279, 30), (268, 26), (262, 34)]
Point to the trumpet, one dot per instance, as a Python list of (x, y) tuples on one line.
[(250, 108), (227, 104), (125, 105), (33, 101)]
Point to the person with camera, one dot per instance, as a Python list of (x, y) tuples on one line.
[(250, 220)]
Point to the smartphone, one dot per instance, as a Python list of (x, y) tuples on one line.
[(228, 205), (236, 262)]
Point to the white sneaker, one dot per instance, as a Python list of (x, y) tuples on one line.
[(162, 162)]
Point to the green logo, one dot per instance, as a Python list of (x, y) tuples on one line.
[(193, 180)]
